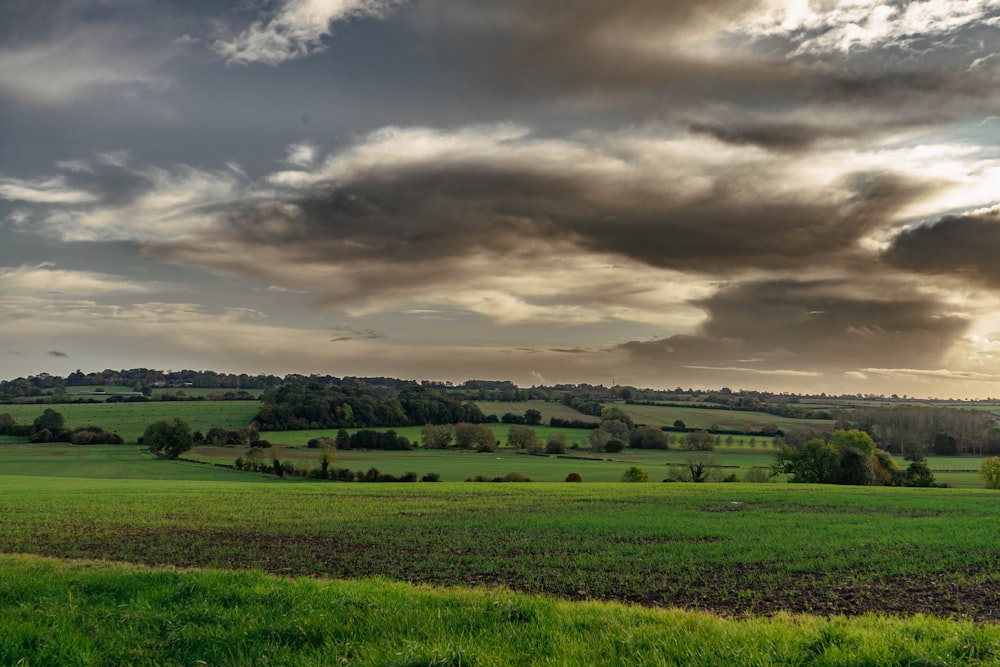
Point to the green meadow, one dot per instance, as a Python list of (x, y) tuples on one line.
[(114, 556), (129, 420)]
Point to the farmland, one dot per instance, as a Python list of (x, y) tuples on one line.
[(731, 549), (591, 573), (750, 553), (130, 419)]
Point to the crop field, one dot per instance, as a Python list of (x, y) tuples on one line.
[(728, 548), (130, 419), (749, 554)]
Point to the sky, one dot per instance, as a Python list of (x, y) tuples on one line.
[(786, 195)]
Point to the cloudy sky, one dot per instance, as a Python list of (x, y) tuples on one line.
[(791, 195)]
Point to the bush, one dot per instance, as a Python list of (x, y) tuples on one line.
[(574, 477), (614, 445), (756, 475), (635, 474), (431, 477), (515, 477), (649, 437), (556, 444), (990, 472)]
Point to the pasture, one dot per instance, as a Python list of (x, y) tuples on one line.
[(464, 573), (129, 420)]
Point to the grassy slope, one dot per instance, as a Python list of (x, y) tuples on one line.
[(102, 614)]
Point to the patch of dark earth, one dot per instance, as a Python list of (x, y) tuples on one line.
[(971, 592)]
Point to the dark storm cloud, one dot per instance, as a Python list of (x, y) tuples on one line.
[(57, 353), (427, 220), (667, 59), (831, 325), (965, 246)]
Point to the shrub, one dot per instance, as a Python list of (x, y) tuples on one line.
[(431, 477), (556, 444), (515, 477), (321, 443), (574, 477), (635, 474), (990, 472), (614, 445), (756, 475), (649, 437)]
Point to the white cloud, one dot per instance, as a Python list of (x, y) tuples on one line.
[(301, 154), (53, 190), (824, 26), (296, 30), (44, 278), (85, 64)]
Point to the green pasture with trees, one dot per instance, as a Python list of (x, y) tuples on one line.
[(530, 571)]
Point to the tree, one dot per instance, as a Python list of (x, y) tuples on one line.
[(471, 436), (51, 420), (168, 437), (436, 437), (635, 474), (848, 457), (556, 444), (343, 440), (990, 472), (610, 413), (680, 425), (532, 417), (649, 437), (816, 462), (701, 441), (919, 474), (522, 437)]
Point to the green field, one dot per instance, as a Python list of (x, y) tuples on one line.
[(729, 420), (748, 553), (129, 420), (101, 614)]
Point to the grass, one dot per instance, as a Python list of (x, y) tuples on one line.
[(130, 419), (727, 548), (730, 420), (103, 614), (482, 574)]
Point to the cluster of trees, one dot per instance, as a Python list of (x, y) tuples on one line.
[(531, 417), (583, 404), (50, 426), (918, 431), (313, 406), (847, 457), (464, 436)]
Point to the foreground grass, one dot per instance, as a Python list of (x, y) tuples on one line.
[(103, 614)]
